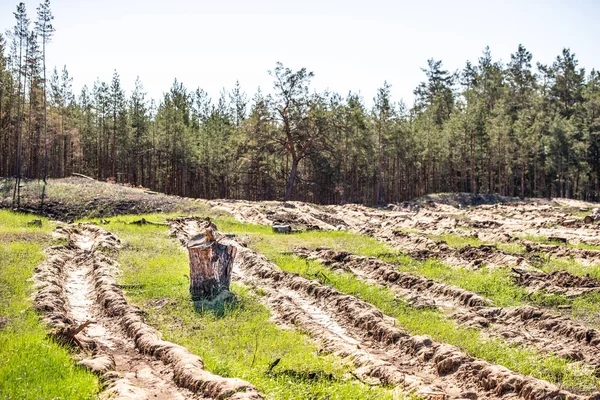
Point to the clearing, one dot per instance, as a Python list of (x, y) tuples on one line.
[(448, 297)]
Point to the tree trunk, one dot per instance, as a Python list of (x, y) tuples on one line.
[(291, 179), (211, 263)]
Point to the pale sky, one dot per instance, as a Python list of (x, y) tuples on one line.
[(348, 44)]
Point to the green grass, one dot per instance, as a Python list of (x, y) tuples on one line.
[(551, 264), (513, 248), (227, 344), (580, 214), (32, 366), (242, 342)]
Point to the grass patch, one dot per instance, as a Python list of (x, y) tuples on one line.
[(580, 214), (32, 366), (243, 342), (551, 264), (512, 248)]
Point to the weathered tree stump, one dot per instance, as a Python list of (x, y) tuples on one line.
[(211, 263)]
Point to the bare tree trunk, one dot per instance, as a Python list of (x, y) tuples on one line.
[(292, 177)]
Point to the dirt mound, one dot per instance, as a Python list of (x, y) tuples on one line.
[(584, 256), (68, 199), (559, 282)]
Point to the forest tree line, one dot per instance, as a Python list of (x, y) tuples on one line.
[(514, 129)]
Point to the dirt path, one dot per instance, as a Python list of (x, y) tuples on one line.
[(350, 325), (526, 325), (77, 289)]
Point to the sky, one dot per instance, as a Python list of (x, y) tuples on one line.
[(350, 45)]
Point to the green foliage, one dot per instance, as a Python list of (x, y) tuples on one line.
[(457, 241), (514, 129)]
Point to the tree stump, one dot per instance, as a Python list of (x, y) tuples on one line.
[(211, 263)]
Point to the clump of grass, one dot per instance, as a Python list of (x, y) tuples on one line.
[(550, 264), (584, 246), (546, 240), (513, 248), (31, 365), (242, 342)]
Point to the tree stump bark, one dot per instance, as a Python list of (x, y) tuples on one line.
[(211, 263)]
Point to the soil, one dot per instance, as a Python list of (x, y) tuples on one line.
[(557, 282), (76, 289), (68, 199)]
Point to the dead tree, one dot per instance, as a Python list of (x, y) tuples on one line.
[(211, 263)]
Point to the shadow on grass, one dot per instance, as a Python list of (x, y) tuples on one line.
[(225, 303), (303, 376)]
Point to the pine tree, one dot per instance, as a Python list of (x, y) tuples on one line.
[(21, 34), (44, 30), (290, 106)]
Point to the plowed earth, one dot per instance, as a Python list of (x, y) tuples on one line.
[(412, 230), (523, 325), (379, 348), (79, 299)]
